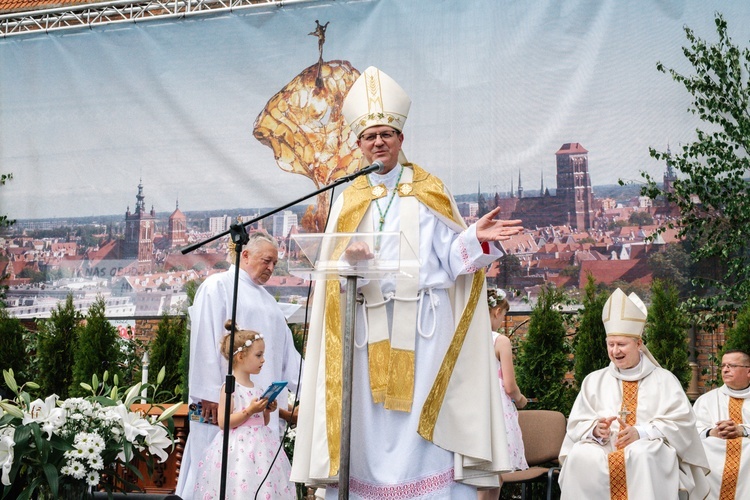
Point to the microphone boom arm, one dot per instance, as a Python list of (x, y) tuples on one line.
[(375, 167)]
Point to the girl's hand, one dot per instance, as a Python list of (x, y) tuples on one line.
[(521, 402), (256, 406), (272, 406)]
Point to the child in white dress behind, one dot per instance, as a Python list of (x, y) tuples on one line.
[(511, 395), (253, 445)]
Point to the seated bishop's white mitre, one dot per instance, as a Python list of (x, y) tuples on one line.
[(624, 315), (375, 99)]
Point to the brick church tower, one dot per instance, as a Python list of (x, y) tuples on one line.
[(139, 233), (574, 185), (177, 228)]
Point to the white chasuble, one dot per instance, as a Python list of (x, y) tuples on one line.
[(389, 458), (711, 408), (666, 459)]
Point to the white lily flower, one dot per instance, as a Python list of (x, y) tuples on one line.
[(132, 423), (6, 457), (158, 441), (46, 413)]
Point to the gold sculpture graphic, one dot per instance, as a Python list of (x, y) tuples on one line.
[(303, 125)]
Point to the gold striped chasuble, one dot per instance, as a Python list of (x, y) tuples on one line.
[(734, 451), (618, 486)]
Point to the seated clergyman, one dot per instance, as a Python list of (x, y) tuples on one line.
[(631, 432), (723, 420)]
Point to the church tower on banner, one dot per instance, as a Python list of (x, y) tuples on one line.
[(574, 185), (140, 227)]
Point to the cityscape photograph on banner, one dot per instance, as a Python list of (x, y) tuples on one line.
[(128, 143)]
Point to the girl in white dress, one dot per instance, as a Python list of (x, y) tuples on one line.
[(512, 398), (253, 445)]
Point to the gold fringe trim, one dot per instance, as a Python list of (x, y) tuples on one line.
[(379, 356), (434, 401), (400, 392)]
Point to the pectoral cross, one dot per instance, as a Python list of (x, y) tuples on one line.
[(624, 414)]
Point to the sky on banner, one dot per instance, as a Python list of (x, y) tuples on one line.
[(497, 86)]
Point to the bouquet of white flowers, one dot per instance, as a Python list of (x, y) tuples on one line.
[(63, 448)]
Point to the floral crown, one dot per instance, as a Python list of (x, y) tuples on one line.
[(494, 297), (248, 343)]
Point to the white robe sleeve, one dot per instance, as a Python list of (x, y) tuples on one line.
[(207, 317)]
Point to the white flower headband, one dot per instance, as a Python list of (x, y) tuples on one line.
[(248, 343), (494, 300)]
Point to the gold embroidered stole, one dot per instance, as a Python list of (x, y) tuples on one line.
[(428, 190), (733, 454), (618, 486), (434, 400)]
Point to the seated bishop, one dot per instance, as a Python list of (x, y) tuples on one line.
[(631, 432), (723, 419)]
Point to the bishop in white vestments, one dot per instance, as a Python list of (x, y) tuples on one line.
[(723, 423), (426, 418), (631, 431)]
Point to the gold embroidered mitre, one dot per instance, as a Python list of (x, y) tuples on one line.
[(375, 99)]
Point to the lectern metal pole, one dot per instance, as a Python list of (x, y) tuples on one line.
[(346, 393)]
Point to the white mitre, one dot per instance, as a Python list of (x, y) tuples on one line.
[(375, 99), (625, 316)]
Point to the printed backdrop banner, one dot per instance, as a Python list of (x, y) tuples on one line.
[(497, 87), (223, 112)]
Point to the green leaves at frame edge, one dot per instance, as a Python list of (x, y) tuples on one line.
[(10, 380)]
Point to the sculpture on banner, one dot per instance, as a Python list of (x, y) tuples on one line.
[(303, 125)]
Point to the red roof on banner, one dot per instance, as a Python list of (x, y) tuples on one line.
[(569, 148)]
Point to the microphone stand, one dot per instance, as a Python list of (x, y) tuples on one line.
[(240, 237)]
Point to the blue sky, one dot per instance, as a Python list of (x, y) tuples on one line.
[(497, 86)]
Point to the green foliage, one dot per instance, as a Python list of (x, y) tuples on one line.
[(97, 349), (738, 337), (543, 355), (166, 351), (222, 264), (713, 167), (673, 264), (666, 331), (4, 220), (132, 353), (590, 345), (12, 350), (641, 219), (184, 365), (641, 290), (510, 267), (32, 274), (56, 346)]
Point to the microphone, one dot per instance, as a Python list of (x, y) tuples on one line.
[(377, 166)]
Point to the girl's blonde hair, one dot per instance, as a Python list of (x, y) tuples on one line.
[(243, 339), (497, 298)]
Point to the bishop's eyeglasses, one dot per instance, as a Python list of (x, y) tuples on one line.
[(732, 366), (388, 134)]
